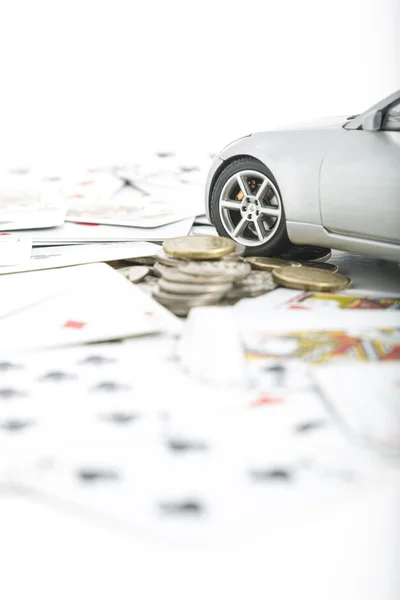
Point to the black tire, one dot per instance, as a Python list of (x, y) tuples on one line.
[(279, 243)]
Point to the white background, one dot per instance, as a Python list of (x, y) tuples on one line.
[(100, 79)]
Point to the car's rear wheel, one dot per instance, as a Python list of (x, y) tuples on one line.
[(246, 206)]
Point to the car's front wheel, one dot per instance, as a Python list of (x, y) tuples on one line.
[(246, 206)]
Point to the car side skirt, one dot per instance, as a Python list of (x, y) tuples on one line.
[(305, 233)]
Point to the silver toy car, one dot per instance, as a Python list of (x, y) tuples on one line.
[(333, 183)]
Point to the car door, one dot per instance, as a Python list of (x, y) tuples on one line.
[(360, 182)]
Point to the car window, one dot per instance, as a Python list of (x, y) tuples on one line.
[(392, 119)]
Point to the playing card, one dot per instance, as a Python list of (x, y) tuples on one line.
[(69, 397), (20, 291), (132, 207), (97, 305), (93, 427), (169, 168), (91, 186), (29, 200), (326, 345), (218, 485), (282, 298), (63, 256), (365, 399), (85, 232)]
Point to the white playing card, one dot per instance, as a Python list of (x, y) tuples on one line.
[(19, 291), (188, 491), (29, 200), (97, 305), (84, 232), (354, 300), (63, 256), (95, 428), (92, 186), (132, 207), (365, 399)]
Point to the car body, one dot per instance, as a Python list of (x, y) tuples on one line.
[(334, 183)]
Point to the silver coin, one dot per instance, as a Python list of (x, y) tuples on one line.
[(185, 300), (234, 270), (261, 278), (169, 261), (147, 261), (136, 274), (250, 292), (177, 276), (160, 269), (192, 288), (151, 280)]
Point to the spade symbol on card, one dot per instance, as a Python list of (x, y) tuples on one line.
[(57, 376), (179, 445), (95, 475), (309, 426), (271, 475), (10, 393), (8, 366), (96, 359), (121, 418), (188, 169), (15, 425), (280, 373), (183, 507), (164, 154), (110, 386)]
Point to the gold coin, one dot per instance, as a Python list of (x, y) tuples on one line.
[(309, 278), (322, 265), (199, 247), (269, 263)]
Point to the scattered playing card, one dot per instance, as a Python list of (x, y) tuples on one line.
[(94, 303), (132, 207), (365, 399), (93, 427), (78, 233), (63, 256), (29, 200)]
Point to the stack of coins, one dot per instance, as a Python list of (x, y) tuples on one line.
[(208, 270), (197, 271)]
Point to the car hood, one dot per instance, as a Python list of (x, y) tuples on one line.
[(324, 123)]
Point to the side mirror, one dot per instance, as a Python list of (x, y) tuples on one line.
[(372, 121)]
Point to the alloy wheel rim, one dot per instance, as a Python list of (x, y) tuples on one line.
[(250, 208)]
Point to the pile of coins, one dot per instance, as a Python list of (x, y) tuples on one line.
[(207, 270), (184, 283)]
